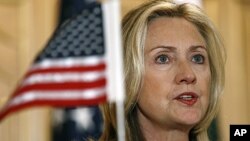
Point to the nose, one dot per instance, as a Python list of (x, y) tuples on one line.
[(185, 74)]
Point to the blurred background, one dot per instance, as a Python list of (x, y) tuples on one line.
[(26, 26)]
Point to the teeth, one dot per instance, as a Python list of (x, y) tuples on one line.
[(186, 97)]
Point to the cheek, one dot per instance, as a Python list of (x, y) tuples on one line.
[(205, 86), (149, 92), (155, 90), (152, 100), (155, 84), (207, 82)]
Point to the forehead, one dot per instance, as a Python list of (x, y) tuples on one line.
[(170, 23), (173, 31)]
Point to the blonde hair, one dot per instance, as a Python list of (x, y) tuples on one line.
[(135, 25)]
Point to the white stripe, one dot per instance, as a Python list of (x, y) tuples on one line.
[(69, 62), (90, 76), (57, 95)]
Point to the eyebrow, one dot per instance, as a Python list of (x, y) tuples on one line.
[(170, 48), (193, 48)]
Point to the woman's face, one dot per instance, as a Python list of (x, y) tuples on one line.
[(176, 83)]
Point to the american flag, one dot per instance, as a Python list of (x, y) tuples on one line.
[(70, 71)]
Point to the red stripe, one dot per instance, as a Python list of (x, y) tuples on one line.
[(56, 103), (62, 69), (61, 86)]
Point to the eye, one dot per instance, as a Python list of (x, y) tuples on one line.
[(199, 59), (162, 59)]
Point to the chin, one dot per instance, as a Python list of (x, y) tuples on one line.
[(191, 121), (189, 117)]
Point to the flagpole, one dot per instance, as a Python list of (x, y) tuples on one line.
[(115, 89)]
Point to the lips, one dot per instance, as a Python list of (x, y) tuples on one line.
[(188, 98)]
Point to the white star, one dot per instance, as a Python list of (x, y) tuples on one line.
[(83, 117), (58, 117)]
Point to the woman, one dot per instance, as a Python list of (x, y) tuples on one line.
[(174, 73)]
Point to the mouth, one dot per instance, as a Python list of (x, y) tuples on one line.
[(187, 98)]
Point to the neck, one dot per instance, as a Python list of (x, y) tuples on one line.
[(171, 135), (156, 132)]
